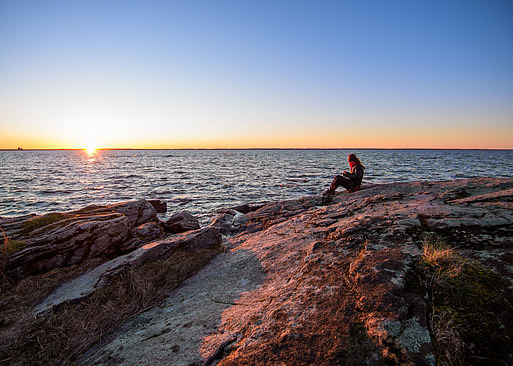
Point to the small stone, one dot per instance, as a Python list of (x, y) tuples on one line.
[(224, 222), (181, 222), (240, 219)]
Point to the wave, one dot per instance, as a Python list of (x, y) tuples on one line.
[(200, 180)]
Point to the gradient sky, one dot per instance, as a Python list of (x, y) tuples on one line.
[(239, 74)]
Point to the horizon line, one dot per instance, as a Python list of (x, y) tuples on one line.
[(260, 148)]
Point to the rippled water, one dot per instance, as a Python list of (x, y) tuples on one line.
[(204, 180)]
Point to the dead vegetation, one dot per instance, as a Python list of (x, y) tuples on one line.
[(61, 334), (467, 306), (4, 280)]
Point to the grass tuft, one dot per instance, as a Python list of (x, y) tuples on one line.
[(448, 334), (10, 245), (466, 304), (6, 242), (41, 221), (442, 260), (5, 281)]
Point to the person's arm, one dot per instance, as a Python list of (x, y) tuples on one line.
[(357, 175), (359, 172)]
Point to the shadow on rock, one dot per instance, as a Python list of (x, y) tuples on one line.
[(172, 333)]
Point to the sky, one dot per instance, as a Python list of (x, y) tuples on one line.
[(256, 74)]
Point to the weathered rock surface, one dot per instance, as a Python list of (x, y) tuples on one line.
[(172, 333), (306, 284), (101, 276), (40, 243), (181, 222), (149, 231)]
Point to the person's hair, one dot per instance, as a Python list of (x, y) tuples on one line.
[(352, 157)]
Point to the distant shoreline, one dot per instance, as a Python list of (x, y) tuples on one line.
[(276, 149)]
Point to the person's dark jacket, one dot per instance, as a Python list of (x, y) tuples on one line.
[(355, 175)]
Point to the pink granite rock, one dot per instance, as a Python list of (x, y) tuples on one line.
[(307, 284)]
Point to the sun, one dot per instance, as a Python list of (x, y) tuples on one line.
[(90, 149)]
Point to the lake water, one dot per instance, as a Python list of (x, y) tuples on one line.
[(202, 181)]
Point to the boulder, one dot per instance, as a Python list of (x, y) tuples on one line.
[(40, 243), (172, 333), (230, 222), (276, 212), (223, 223), (181, 222), (159, 205)]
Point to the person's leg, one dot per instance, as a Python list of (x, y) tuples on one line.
[(346, 183), (337, 182)]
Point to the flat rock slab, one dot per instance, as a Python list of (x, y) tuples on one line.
[(172, 333), (313, 285), (102, 275)]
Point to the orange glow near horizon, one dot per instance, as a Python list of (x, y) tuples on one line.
[(359, 136)]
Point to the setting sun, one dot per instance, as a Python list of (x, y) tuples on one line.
[(90, 149)]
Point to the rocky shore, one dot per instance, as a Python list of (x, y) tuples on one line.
[(416, 273)]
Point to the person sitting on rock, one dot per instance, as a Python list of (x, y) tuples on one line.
[(351, 180)]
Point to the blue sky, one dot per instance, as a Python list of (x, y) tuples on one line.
[(256, 74)]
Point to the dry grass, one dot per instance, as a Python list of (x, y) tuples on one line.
[(465, 302), (44, 220), (6, 241), (436, 255), (4, 280), (441, 259), (448, 335), (60, 335), (441, 263), (10, 246)]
